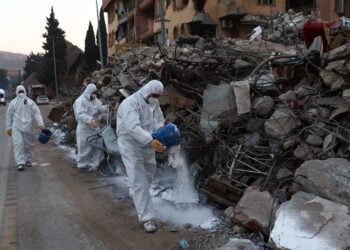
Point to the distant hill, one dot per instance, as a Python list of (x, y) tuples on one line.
[(10, 60)]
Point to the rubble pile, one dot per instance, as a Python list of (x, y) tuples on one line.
[(259, 123)]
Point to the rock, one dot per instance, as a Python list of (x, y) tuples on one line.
[(303, 152), (290, 95), (240, 244), (324, 112), (281, 123), (289, 142), (284, 173), (239, 230), (328, 179), (329, 142), (346, 95), (339, 53), (314, 140), (229, 212), (254, 210), (332, 80), (242, 93), (263, 105), (338, 66), (310, 222)]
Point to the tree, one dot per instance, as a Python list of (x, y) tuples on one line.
[(102, 26), (91, 50), (32, 64), (3, 79), (54, 41)]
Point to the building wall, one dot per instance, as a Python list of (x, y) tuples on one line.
[(112, 22), (327, 10)]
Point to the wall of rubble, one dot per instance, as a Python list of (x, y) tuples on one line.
[(251, 114)]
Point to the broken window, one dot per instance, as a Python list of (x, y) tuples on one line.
[(266, 2), (121, 32)]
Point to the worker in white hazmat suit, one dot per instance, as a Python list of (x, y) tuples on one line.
[(87, 108), (19, 125), (138, 117)]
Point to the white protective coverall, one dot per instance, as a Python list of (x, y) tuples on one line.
[(86, 110), (136, 120), (19, 117)]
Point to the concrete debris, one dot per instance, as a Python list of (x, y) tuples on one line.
[(263, 105), (339, 53), (240, 244), (314, 140), (328, 179), (254, 210), (284, 173), (281, 123), (249, 112), (310, 222), (332, 80), (242, 93)]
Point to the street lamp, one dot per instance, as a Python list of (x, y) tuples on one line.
[(54, 65), (99, 35)]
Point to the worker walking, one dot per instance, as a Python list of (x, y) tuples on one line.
[(138, 117), (19, 125), (87, 108)]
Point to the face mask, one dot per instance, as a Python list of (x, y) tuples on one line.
[(152, 101), (92, 97), (21, 95)]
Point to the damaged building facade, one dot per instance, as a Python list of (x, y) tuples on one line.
[(139, 21)]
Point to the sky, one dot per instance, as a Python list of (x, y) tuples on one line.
[(22, 22)]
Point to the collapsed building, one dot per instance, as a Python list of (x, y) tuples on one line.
[(264, 123)]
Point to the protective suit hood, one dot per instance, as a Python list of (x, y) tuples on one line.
[(152, 87), (19, 88), (91, 88)]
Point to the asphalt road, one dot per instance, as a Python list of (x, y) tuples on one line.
[(53, 206)]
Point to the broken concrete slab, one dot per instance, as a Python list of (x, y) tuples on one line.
[(254, 210), (339, 53), (242, 93), (328, 178), (346, 95), (289, 95), (314, 140), (281, 123), (284, 173), (338, 66), (310, 222), (216, 100), (302, 152), (240, 244), (263, 105), (332, 80)]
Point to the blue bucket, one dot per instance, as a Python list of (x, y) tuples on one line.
[(168, 135), (45, 136)]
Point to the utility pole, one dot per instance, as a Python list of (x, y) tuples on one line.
[(99, 35), (54, 65), (162, 23)]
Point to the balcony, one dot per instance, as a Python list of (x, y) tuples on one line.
[(237, 9), (145, 30), (145, 4)]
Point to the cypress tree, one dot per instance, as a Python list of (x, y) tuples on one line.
[(102, 26), (91, 50), (54, 35)]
